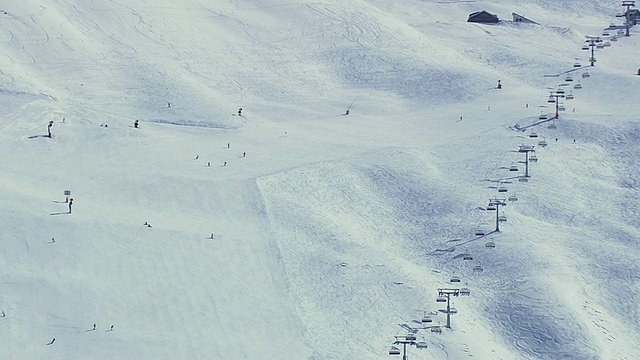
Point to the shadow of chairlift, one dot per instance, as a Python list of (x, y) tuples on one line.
[(490, 245), (542, 143), (533, 157)]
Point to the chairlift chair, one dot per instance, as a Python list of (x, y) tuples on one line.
[(568, 78), (533, 158), (479, 232), (542, 117), (523, 179), (502, 218), (513, 167), (441, 299), (513, 197), (394, 351), (542, 143), (585, 47), (426, 319), (453, 311), (464, 292), (489, 208), (410, 337), (467, 257), (577, 86), (478, 268), (560, 92), (502, 189), (421, 344), (585, 74), (569, 96), (454, 279), (533, 134), (561, 107), (577, 64), (551, 99), (436, 329), (600, 46), (490, 245)]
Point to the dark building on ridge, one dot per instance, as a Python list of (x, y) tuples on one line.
[(483, 17)]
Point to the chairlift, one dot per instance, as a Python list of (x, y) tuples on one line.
[(569, 96), (454, 279), (606, 33), (513, 197), (533, 158), (568, 78), (513, 167), (467, 257), (561, 107), (421, 344), (502, 189), (533, 134), (523, 179), (441, 299), (490, 245), (600, 46), (585, 47), (453, 311), (542, 117), (577, 64), (394, 351), (464, 292), (560, 92), (552, 99), (607, 44), (436, 329), (410, 337), (490, 207), (502, 218), (578, 86), (585, 74), (426, 319), (478, 268), (542, 143), (480, 232)]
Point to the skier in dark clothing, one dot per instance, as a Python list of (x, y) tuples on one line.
[(49, 128), (70, 203), (136, 124)]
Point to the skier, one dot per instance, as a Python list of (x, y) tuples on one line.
[(136, 124), (52, 341), (111, 328), (346, 112), (168, 104), (499, 85), (49, 128), (244, 154), (240, 112), (225, 164), (228, 145), (70, 203), (94, 326)]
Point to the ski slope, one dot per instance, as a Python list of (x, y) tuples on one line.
[(295, 231)]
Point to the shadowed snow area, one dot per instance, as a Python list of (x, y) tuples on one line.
[(321, 221)]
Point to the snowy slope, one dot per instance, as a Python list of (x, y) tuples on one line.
[(331, 233)]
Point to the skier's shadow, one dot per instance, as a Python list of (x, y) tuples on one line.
[(37, 136), (61, 213)]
